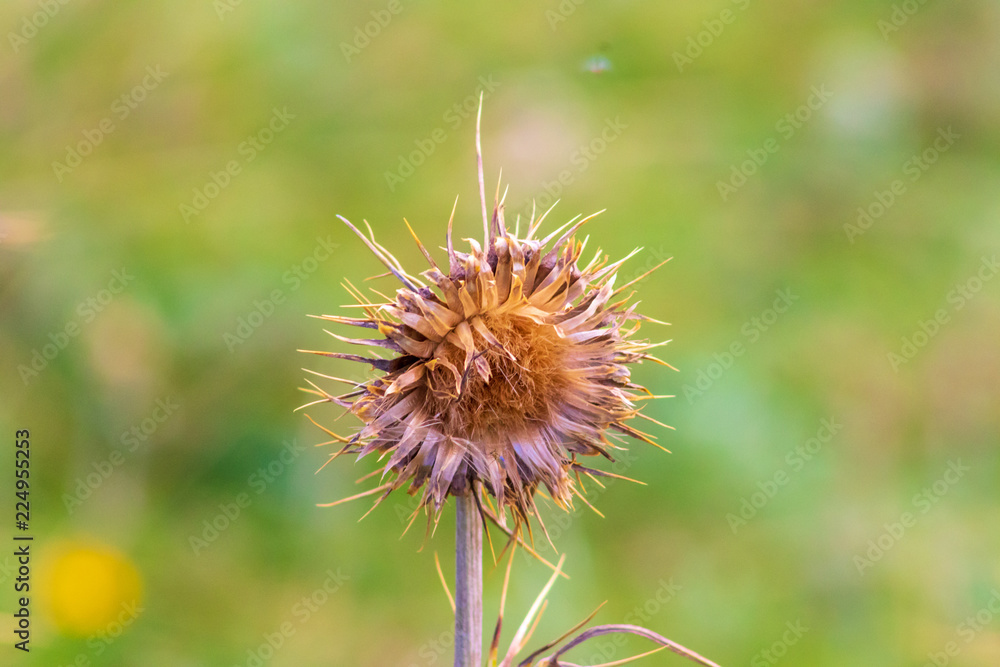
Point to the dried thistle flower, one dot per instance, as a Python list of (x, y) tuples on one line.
[(509, 365)]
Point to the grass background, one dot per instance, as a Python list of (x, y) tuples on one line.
[(559, 73)]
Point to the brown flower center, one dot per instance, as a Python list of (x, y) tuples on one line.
[(521, 393)]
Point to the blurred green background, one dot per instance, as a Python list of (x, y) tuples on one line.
[(201, 150)]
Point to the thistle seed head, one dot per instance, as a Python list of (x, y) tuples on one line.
[(505, 368)]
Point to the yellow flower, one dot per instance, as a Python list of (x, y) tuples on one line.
[(88, 588)]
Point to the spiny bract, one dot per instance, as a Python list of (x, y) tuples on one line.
[(512, 365)]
